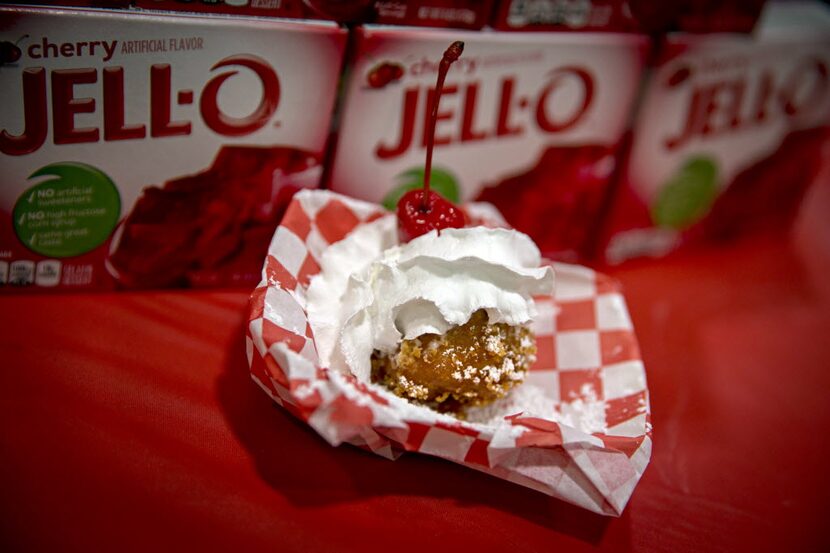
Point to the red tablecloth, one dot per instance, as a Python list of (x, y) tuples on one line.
[(128, 422)]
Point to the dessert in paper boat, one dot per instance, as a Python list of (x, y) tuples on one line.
[(575, 426), (442, 320)]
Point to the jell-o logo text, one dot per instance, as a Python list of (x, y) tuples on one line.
[(512, 113), (67, 103), (739, 103)]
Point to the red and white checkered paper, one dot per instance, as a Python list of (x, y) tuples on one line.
[(584, 337)]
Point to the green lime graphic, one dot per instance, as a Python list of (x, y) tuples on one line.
[(442, 181), (688, 195), (70, 214)]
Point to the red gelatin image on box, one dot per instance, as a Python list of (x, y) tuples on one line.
[(211, 228), (757, 200), (553, 200)]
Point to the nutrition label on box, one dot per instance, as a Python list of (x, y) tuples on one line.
[(25, 272), (22, 272)]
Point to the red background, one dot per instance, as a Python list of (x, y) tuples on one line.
[(128, 422)]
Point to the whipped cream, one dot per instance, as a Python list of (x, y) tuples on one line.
[(371, 292)]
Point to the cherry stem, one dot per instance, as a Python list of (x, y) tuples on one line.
[(21, 38), (452, 53)]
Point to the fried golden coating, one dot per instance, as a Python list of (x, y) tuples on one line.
[(471, 365)]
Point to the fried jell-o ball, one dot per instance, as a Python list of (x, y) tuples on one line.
[(472, 364)]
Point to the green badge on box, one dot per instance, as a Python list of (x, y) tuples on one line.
[(70, 214), (688, 195)]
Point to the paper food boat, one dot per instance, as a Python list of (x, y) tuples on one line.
[(588, 443)]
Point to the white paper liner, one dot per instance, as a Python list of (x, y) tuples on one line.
[(578, 429)]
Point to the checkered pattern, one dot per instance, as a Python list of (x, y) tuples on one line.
[(587, 353)]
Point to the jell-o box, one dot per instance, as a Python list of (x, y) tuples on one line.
[(460, 14), (564, 15), (77, 3), (647, 16), (143, 151), (529, 122), (728, 137)]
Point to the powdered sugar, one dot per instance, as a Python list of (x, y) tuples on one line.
[(585, 412), (414, 390), (493, 344), (524, 399)]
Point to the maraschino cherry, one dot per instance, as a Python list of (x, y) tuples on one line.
[(421, 211)]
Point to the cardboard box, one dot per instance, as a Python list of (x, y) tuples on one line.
[(462, 14), (564, 15), (529, 122), (78, 3), (728, 137), (647, 16), (294, 9), (152, 151)]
